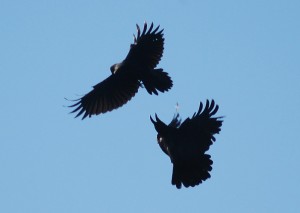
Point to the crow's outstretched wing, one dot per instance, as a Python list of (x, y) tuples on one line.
[(147, 49), (199, 129), (107, 95)]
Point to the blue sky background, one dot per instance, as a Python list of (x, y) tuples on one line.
[(244, 54)]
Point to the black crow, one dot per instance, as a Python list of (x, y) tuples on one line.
[(137, 69), (186, 143)]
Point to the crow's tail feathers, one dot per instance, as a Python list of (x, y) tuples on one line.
[(192, 173), (155, 80)]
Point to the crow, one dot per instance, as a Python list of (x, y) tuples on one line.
[(186, 143), (138, 69)]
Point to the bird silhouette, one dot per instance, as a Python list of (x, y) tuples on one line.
[(138, 69), (186, 144)]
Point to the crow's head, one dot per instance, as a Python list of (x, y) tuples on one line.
[(162, 132), (161, 128), (114, 68)]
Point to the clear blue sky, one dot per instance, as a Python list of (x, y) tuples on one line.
[(243, 54)]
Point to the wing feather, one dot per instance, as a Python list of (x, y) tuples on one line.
[(108, 95), (202, 126), (147, 49)]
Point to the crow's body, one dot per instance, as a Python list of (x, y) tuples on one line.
[(186, 143), (137, 69)]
